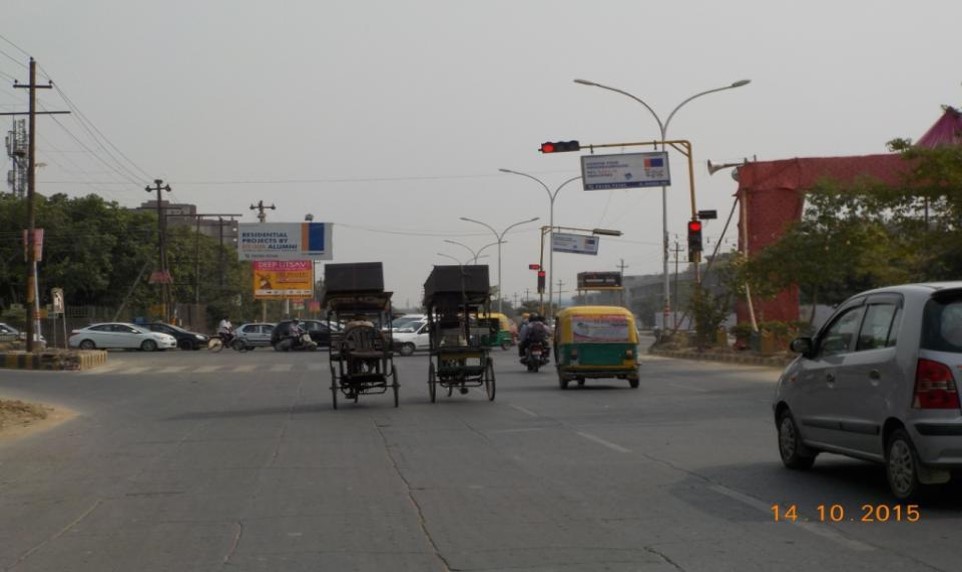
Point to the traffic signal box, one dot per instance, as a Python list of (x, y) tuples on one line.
[(559, 146), (694, 240), (541, 282)]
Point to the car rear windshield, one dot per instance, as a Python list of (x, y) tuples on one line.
[(942, 323)]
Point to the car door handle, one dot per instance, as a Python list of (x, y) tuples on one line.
[(830, 377)]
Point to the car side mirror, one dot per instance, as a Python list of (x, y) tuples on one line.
[(803, 346)]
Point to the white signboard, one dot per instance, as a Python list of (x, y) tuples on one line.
[(285, 241), (574, 243), (625, 171)]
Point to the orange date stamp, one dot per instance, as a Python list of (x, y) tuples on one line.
[(869, 513)]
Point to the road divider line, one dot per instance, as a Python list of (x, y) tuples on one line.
[(172, 369), (601, 441), (282, 367), (821, 529), (244, 368), (207, 369)]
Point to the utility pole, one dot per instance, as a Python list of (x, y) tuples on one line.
[(30, 240), (560, 285), (262, 218), (162, 275), (260, 207), (677, 255), (621, 270)]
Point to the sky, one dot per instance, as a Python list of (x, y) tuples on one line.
[(391, 118)]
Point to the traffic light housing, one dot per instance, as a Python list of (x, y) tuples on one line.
[(694, 240), (559, 146), (541, 282)]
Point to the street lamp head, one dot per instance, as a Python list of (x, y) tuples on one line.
[(585, 82), (605, 232), (741, 82), (506, 171)]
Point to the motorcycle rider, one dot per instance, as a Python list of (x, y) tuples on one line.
[(294, 332), (534, 331)]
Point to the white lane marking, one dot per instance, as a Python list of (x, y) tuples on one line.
[(821, 529), (524, 410), (207, 369), (244, 368), (282, 367), (131, 370), (172, 369), (601, 441)]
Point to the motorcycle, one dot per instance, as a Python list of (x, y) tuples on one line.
[(301, 343), (535, 356)]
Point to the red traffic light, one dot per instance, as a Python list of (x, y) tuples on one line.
[(534, 267), (541, 274), (694, 226), (559, 146)]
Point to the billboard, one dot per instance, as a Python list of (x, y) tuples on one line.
[(625, 171), (285, 241), (283, 279), (574, 243), (598, 280)]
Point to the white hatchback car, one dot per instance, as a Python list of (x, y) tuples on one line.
[(879, 382), (120, 335)]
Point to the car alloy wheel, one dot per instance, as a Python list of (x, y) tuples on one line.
[(902, 466), (794, 454)]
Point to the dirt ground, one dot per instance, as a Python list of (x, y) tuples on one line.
[(19, 418)]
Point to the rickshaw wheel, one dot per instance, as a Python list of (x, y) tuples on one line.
[(562, 382), (334, 393), (581, 382), (489, 386), (432, 381), (396, 386), (450, 389), (633, 382)]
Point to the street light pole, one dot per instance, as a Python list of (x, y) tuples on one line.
[(500, 241), (475, 254), (551, 197), (663, 128)]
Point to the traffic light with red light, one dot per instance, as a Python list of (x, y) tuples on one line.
[(559, 146), (694, 240), (541, 282)]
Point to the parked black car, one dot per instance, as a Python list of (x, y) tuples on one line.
[(186, 340), (317, 329)]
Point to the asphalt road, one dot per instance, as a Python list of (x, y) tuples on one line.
[(195, 461)]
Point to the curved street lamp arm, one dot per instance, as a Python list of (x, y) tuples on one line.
[(484, 224), (501, 237), (697, 95), (561, 186), (662, 127), (533, 178), (471, 250)]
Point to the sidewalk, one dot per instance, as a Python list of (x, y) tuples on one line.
[(778, 361)]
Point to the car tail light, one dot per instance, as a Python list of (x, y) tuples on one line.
[(934, 386), (629, 354)]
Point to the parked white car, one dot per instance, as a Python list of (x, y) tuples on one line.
[(120, 335), (411, 337)]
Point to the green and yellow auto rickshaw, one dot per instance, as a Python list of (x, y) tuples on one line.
[(501, 335), (595, 342)]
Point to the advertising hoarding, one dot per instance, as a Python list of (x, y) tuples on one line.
[(625, 171), (283, 279), (285, 241), (574, 243)]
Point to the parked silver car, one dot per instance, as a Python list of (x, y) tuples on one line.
[(878, 382)]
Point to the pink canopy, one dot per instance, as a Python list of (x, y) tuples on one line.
[(946, 131)]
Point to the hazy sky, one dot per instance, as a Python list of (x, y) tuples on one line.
[(391, 118)]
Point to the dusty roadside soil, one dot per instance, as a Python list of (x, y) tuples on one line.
[(19, 418)]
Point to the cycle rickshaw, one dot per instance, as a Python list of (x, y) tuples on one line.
[(358, 312), (454, 296)]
